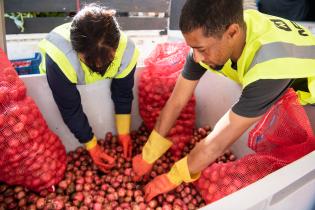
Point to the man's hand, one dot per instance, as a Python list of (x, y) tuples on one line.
[(140, 167), (160, 184), (228, 129), (166, 182), (153, 149)]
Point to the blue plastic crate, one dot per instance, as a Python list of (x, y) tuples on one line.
[(27, 65)]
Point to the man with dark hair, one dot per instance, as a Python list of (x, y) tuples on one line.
[(264, 54), (89, 49)]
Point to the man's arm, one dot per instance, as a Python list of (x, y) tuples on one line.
[(228, 129), (180, 96), (157, 144), (255, 100), (182, 93)]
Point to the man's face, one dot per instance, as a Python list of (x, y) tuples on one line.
[(213, 51)]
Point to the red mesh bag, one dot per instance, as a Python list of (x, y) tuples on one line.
[(11, 87), (30, 154), (282, 136), (156, 84), (285, 127), (220, 180)]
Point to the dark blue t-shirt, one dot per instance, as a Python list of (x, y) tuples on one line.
[(257, 97)]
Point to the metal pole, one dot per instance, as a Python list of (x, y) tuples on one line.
[(2, 27)]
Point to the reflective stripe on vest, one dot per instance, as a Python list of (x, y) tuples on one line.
[(276, 50), (278, 53), (281, 50), (65, 46), (130, 48), (58, 46)]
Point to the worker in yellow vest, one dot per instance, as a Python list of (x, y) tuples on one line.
[(264, 54), (89, 49)]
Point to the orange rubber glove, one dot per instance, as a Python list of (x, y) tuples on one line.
[(140, 167), (166, 182), (125, 141), (123, 122), (103, 161), (160, 184), (153, 149)]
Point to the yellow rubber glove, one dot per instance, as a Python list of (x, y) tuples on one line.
[(103, 161), (91, 144), (180, 173), (166, 182), (123, 122), (153, 149)]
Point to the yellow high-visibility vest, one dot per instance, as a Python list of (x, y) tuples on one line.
[(275, 48), (58, 46)]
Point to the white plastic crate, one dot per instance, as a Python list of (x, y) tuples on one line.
[(290, 188)]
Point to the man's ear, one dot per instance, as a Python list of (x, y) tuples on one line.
[(232, 31)]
